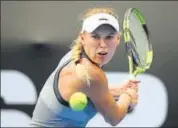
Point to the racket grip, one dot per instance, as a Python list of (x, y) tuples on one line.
[(132, 76), (130, 108)]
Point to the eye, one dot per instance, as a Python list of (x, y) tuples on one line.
[(110, 37), (95, 37)]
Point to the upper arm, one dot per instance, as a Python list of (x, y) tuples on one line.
[(99, 94)]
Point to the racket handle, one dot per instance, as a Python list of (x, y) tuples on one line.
[(130, 108), (132, 76)]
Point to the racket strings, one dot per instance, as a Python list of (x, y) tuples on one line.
[(136, 36), (138, 39)]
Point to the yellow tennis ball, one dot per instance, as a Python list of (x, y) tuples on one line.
[(78, 101)]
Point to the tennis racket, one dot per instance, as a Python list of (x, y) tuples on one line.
[(137, 42)]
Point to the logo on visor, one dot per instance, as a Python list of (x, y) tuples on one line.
[(103, 19)]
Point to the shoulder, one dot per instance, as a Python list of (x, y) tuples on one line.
[(68, 76), (84, 70), (82, 74), (96, 74), (68, 71)]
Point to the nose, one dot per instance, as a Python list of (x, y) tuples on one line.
[(103, 43)]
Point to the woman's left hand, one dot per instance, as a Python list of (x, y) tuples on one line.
[(129, 83)]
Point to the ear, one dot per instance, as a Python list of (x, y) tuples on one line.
[(82, 38), (118, 38)]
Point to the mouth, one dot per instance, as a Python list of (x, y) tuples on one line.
[(102, 53)]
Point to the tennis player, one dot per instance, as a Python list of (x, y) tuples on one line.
[(80, 70)]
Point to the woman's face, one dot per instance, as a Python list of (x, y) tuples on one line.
[(100, 45)]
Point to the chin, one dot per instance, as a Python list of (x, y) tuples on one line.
[(105, 63), (101, 63)]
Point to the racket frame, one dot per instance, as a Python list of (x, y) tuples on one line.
[(135, 67)]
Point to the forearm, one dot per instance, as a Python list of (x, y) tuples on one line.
[(123, 104)]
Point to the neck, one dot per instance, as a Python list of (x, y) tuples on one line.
[(86, 56)]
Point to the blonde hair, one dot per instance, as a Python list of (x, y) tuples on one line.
[(77, 48)]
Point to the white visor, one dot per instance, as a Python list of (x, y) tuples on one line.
[(94, 21)]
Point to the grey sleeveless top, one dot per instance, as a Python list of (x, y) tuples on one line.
[(52, 110)]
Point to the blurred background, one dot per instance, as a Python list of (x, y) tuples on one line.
[(36, 34)]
